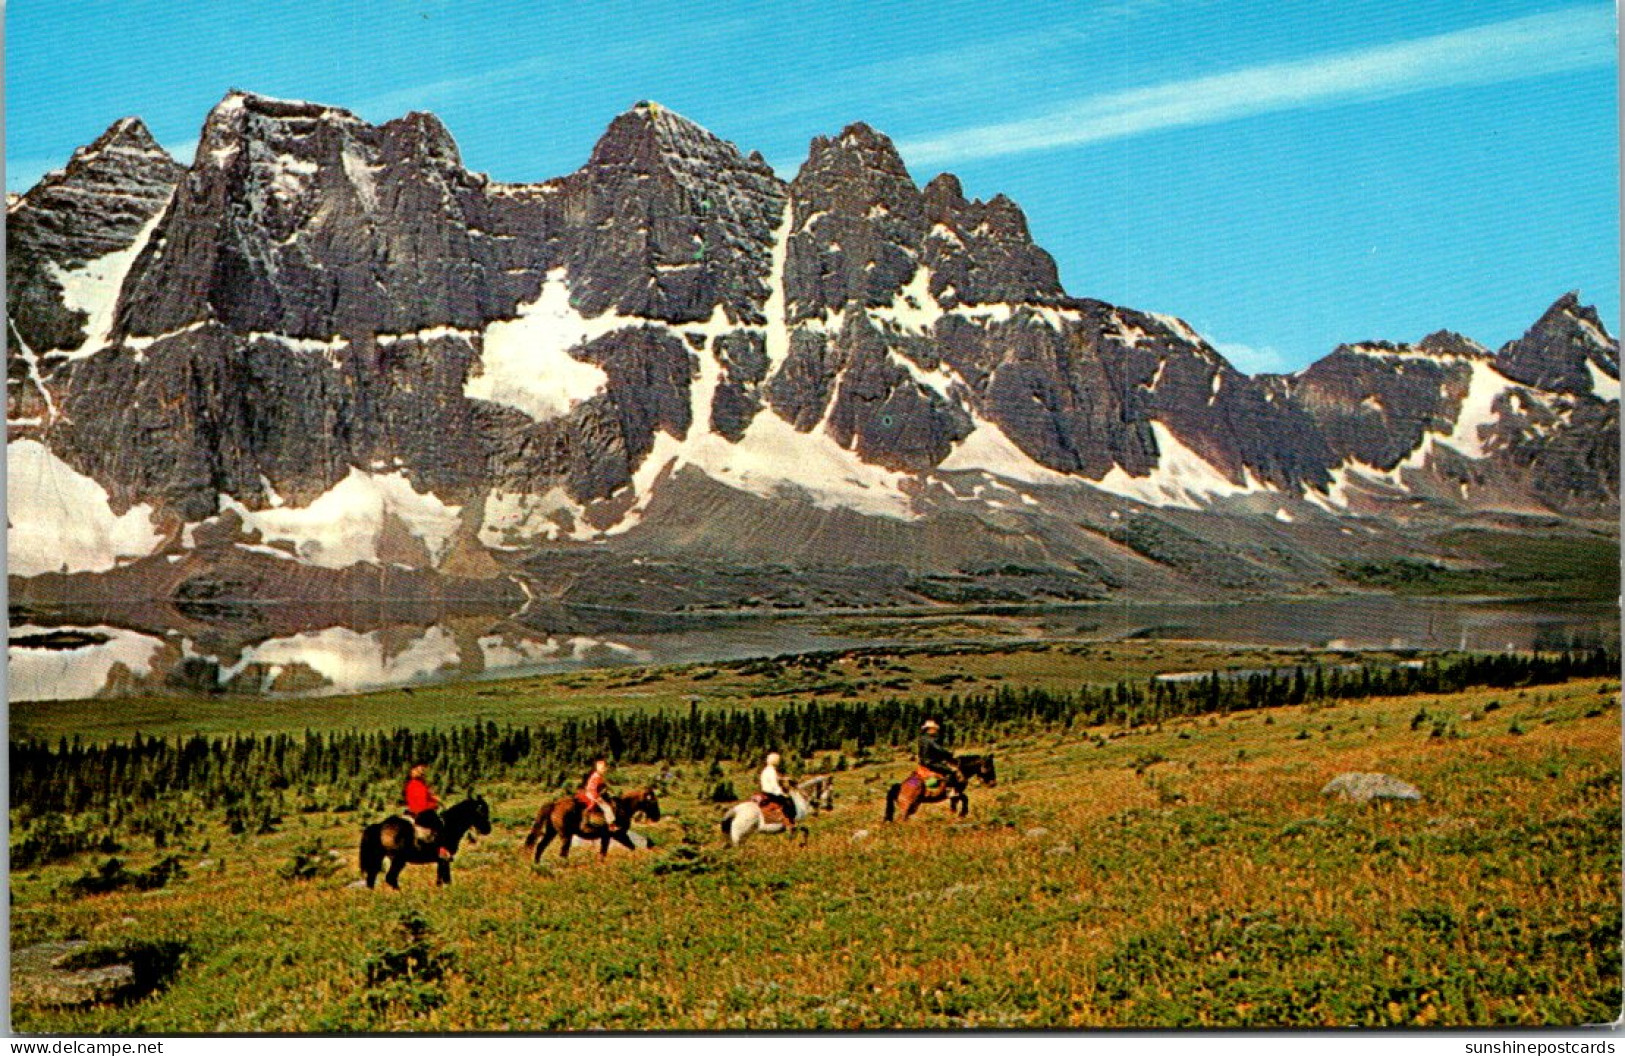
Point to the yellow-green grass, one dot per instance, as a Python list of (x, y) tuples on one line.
[(1504, 564), (519, 701), (1191, 875)]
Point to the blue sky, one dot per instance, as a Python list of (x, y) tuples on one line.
[(1285, 176)]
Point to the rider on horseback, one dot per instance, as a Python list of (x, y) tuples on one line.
[(773, 791), (422, 807), (934, 758), (594, 794)]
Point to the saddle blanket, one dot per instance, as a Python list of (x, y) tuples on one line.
[(925, 778), (771, 811)]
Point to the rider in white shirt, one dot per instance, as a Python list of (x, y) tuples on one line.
[(773, 789)]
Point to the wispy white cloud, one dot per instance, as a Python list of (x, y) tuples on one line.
[(1559, 41), (499, 84), (1253, 359)]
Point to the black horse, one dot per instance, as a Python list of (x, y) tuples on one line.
[(914, 790), (394, 839)]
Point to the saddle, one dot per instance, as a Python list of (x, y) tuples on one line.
[(425, 837), (771, 811), (927, 777)]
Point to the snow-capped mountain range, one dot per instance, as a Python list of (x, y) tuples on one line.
[(326, 344)]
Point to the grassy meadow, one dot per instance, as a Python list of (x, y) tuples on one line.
[(1187, 874)]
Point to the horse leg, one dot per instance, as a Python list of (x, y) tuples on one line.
[(397, 862), (547, 837), (564, 843), (367, 855), (442, 876), (891, 800), (539, 829)]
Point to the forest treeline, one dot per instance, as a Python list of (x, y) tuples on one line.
[(245, 775)]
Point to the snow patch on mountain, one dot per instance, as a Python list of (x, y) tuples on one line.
[(939, 381), (94, 286), (342, 526), (60, 520), (513, 520), (526, 361), (1178, 326), (989, 448), (1602, 386), (329, 349), (913, 308), (1181, 477), (31, 362), (1592, 333), (772, 457), (1478, 408)]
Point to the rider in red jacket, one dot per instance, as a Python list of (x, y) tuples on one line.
[(423, 805), (595, 793)]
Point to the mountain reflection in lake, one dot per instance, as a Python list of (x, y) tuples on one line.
[(112, 662), (62, 661)]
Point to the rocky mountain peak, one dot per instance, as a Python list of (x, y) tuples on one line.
[(943, 193), (124, 159), (425, 136), (863, 156), (661, 193), (320, 306), (126, 134), (651, 138), (71, 228), (258, 124), (1567, 315), (1450, 343), (1568, 350)]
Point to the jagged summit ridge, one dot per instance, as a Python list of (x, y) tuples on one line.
[(320, 309)]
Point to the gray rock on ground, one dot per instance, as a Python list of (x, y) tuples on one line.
[(1363, 788), (38, 978)]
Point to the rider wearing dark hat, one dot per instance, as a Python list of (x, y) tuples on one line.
[(932, 755)]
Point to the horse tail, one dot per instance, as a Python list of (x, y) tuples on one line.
[(536, 830), (891, 800), (372, 850), (728, 822)]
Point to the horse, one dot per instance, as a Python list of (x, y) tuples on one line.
[(912, 791), (813, 794), (567, 817), (393, 838)]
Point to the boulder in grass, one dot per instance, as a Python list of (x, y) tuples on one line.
[(40, 975), (1363, 788), (75, 974), (639, 842)]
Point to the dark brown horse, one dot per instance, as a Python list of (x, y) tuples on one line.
[(567, 818), (912, 791), (393, 838)]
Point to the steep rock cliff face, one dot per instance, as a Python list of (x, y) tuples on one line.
[(331, 341)]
